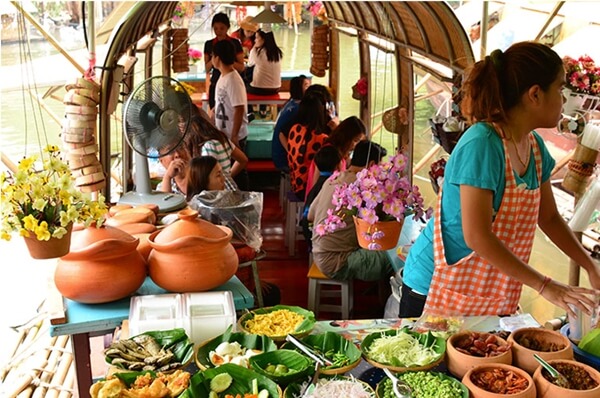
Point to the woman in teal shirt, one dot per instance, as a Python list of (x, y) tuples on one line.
[(472, 257)]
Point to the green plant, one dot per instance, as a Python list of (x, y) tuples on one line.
[(44, 202)]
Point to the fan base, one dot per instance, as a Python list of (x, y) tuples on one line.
[(166, 202)]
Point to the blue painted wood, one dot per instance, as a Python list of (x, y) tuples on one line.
[(96, 318)]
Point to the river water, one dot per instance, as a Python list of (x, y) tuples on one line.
[(25, 126)]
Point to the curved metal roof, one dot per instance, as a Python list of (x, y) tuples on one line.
[(429, 28)]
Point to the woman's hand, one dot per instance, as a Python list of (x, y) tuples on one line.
[(565, 296), (176, 168)]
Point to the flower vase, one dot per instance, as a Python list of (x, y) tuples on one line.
[(383, 235), (52, 248), (574, 101), (193, 69)]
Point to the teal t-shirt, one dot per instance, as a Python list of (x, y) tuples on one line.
[(477, 160)]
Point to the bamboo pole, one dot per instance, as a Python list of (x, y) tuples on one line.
[(12, 353), (426, 158), (8, 162), (50, 368), (59, 377), (68, 383)]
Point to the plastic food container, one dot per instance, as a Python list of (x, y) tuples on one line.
[(203, 315), (207, 315)]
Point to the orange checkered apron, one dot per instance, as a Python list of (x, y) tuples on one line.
[(473, 286)]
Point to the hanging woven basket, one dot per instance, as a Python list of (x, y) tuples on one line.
[(320, 50), (179, 50)]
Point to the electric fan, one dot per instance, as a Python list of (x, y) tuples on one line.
[(156, 118)]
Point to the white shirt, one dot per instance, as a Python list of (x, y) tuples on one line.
[(266, 74), (230, 92)]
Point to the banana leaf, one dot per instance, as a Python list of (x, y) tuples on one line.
[(175, 340), (250, 341), (438, 344), (303, 329), (242, 382), (297, 364)]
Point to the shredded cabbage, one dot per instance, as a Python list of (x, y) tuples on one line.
[(336, 388), (401, 349)]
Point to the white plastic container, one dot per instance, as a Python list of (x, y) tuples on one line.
[(155, 312), (207, 315)]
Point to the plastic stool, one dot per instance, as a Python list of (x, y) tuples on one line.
[(293, 213), (316, 279)]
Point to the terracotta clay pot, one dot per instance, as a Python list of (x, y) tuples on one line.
[(191, 255), (546, 389), (459, 363), (390, 229), (144, 247), (52, 248), (102, 266), (523, 356), (478, 392), (117, 208)]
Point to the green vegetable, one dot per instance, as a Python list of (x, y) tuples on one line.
[(254, 386), (270, 369), (590, 343), (213, 394), (221, 382), (401, 349), (280, 370)]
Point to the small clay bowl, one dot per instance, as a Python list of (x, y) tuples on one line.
[(547, 389), (547, 343), (478, 392), (459, 362)]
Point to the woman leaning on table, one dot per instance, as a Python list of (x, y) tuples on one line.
[(472, 258)]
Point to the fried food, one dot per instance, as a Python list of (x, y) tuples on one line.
[(144, 386)]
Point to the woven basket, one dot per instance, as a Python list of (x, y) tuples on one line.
[(179, 49), (392, 121), (320, 50)]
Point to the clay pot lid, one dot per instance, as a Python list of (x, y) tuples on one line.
[(86, 237), (138, 228), (131, 216), (117, 208), (189, 225)]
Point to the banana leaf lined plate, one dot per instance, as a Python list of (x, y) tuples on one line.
[(241, 384), (433, 347), (174, 340), (461, 390), (295, 390), (296, 365), (331, 345), (276, 330), (246, 340)]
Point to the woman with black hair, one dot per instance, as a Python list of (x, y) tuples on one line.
[(265, 57), (207, 140)]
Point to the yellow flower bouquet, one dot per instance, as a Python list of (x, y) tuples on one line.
[(44, 204)]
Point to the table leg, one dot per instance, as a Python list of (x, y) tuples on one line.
[(259, 296), (81, 355)]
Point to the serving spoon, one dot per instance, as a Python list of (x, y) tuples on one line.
[(560, 379), (401, 388)]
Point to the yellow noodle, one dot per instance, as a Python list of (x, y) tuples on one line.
[(276, 323)]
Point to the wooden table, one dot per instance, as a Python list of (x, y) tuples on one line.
[(89, 320)]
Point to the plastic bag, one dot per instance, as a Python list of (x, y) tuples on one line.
[(447, 131), (240, 211)]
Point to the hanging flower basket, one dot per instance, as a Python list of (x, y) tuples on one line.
[(52, 248), (382, 235), (447, 131)]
